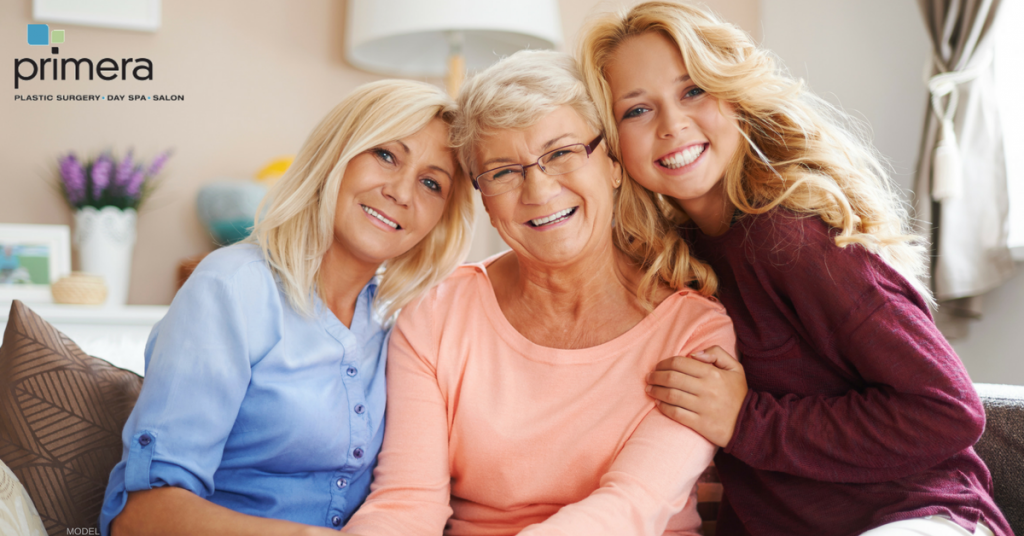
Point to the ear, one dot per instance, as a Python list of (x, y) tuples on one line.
[(616, 173), (488, 211)]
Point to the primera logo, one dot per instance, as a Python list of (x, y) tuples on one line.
[(106, 69)]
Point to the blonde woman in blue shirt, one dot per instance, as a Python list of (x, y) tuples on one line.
[(262, 409)]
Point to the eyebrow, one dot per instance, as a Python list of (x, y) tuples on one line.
[(638, 92), (442, 170), (404, 146), (550, 143)]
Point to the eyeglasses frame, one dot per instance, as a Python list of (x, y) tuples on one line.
[(589, 147)]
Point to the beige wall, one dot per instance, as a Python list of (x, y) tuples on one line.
[(256, 76)]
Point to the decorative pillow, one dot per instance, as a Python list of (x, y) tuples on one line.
[(709, 495), (18, 516), (61, 416)]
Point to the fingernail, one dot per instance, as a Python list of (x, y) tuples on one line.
[(701, 353), (647, 389)]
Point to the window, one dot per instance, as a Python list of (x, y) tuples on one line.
[(1009, 49)]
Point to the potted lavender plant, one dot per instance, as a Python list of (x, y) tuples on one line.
[(105, 195)]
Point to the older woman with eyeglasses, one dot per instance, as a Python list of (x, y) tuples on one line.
[(516, 397)]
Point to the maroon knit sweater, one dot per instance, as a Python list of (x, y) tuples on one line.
[(859, 412)]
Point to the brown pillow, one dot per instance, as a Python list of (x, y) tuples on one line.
[(61, 415), (709, 496)]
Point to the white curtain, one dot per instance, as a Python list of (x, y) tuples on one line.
[(960, 193)]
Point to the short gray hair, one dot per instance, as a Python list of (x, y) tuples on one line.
[(516, 93)]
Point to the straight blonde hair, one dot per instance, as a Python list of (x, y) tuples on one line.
[(297, 227), (802, 153)]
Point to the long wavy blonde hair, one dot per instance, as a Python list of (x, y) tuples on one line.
[(802, 153), (297, 227)]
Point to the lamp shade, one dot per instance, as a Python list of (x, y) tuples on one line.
[(414, 37)]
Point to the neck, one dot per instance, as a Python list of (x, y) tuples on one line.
[(342, 278), (711, 212), (572, 305)]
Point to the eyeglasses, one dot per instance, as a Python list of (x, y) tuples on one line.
[(556, 162)]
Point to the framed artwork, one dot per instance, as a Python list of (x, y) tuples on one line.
[(32, 257), (141, 15)]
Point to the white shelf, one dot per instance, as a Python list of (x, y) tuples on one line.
[(115, 334)]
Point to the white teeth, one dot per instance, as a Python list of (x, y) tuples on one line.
[(380, 217), (683, 158), (556, 216)]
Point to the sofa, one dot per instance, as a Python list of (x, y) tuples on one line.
[(62, 411)]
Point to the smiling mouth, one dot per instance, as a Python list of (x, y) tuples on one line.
[(381, 217), (557, 217), (683, 158)]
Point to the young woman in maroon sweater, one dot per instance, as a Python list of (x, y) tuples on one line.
[(850, 414)]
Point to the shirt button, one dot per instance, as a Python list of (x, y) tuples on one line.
[(145, 440), (358, 453), (360, 409), (341, 483), (336, 521), (352, 371)]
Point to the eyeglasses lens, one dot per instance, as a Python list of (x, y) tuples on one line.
[(558, 162)]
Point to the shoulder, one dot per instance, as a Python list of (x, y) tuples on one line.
[(453, 292), (445, 311), (238, 270), (233, 261), (784, 236), (689, 307), (797, 254)]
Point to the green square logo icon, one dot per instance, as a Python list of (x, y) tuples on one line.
[(57, 37)]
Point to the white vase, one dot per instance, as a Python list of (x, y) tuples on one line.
[(105, 239)]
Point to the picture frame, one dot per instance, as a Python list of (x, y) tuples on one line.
[(138, 15), (32, 257)]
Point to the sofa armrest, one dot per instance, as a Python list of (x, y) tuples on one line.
[(1002, 447)]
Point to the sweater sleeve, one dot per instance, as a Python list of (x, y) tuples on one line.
[(652, 477), (411, 486), (913, 405)]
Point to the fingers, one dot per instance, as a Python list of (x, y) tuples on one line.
[(678, 414), (685, 365), (718, 357), (674, 380), (673, 396)]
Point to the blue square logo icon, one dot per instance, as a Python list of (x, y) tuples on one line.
[(38, 34)]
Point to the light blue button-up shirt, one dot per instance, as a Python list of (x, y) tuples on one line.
[(253, 406)]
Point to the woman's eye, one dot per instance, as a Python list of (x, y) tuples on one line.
[(385, 155), (694, 92), (558, 154), (431, 184), (635, 112)]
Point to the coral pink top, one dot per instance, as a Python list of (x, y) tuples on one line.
[(488, 433)]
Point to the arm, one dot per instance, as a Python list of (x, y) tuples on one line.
[(198, 370), (411, 486), (917, 409), (652, 477), (169, 511), (910, 404)]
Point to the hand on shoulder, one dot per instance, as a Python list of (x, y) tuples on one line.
[(704, 391)]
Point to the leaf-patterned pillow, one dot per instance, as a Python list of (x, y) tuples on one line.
[(61, 416)]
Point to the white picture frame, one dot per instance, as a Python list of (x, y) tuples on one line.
[(138, 15), (21, 279)]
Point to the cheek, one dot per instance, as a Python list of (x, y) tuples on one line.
[(430, 212), (633, 145)]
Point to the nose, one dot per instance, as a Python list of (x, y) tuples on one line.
[(672, 121), (400, 189), (538, 187)]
